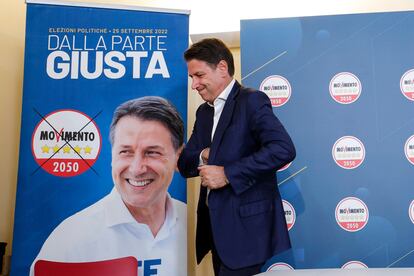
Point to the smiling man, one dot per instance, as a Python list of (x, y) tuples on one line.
[(236, 147), (138, 218)]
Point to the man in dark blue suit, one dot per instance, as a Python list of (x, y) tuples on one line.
[(236, 147)]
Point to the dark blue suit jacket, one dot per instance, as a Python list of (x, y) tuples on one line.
[(247, 218)]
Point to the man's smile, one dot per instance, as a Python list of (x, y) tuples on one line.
[(139, 183)]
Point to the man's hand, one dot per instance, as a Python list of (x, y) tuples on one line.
[(204, 155), (213, 177)]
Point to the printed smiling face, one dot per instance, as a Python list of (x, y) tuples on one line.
[(143, 162)]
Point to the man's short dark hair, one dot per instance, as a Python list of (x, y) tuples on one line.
[(151, 108), (212, 51)]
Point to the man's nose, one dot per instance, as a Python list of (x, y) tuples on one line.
[(194, 83), (138, 165)]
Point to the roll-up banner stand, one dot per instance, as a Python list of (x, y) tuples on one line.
[(81, 62), (343, 86)]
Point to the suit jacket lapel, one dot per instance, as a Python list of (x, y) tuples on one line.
[(224, 121), (207, 125)]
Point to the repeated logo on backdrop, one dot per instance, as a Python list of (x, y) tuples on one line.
[(348, 152), (345, 88), (277, 88), (280, 266), (351, 214), (290, 214), (284, 167), (354, 264), (407, 84), (409, 149), (411, 211)]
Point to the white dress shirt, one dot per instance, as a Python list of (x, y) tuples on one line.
[(218, 106), (107, 230)]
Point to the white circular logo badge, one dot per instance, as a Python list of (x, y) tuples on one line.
[(407, 84), (411, 211), (409, 149), (280, 266), (351, 214), (354, 264), (290, 214), (348, 152), (345, 88), (66, 143), (277, 88)]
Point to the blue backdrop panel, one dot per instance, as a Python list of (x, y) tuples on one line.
[(89, 60), (343, 213)]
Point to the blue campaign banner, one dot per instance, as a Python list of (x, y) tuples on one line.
[(343, 86), (80, 64)]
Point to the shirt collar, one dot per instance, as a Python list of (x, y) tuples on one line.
[(117, 213), (224, 94)]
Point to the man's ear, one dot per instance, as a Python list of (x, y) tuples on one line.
[(178, 153), (180, 150), (223, 67)]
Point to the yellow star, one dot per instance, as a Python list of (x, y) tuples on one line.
[(45, 149), (56, 148), (66, 149), (77, 149), (87, 149)]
